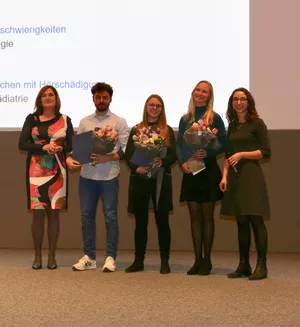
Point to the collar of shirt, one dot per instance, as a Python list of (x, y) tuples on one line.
[(107, 114)]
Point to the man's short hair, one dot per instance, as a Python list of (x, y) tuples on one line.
[(98, 87)]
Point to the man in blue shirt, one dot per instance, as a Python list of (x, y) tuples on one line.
[(102, 181)]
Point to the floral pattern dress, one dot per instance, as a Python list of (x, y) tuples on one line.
[(46, 173)]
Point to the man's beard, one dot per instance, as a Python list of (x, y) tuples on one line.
[(102, 108)]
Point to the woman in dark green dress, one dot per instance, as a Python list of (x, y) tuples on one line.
[(243, 182)]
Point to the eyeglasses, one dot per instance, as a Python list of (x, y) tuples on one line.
[(152, 105), (240, 99)]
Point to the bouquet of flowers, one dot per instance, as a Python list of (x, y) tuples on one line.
[(103, 140), (199, 136), (149, 144)]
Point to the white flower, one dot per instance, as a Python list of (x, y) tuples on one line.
[(154, 136)]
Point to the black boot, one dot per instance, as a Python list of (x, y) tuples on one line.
[(205, 267), (243, 270), (261, 242), (260, 271), (137, 265), (165, 267), (195, 269), (244, 239)]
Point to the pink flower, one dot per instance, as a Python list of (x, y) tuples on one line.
[(149, 136), (144, 137), (195, 127), (113, 134)]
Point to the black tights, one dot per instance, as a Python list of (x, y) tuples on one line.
[(203, 229), (244, 236), (37, 230)]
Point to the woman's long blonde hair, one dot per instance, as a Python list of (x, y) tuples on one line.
[(162, 120), (209, 113)]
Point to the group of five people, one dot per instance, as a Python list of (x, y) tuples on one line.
[(47, 137)]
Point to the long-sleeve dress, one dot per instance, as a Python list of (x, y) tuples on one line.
[(139, 185), (46, 174), (204, 186), (246, 187)]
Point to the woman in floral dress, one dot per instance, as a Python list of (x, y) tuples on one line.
[(46, 136)]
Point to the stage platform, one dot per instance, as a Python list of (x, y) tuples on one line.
[(92, 298)]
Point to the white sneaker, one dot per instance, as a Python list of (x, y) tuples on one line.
[(109, 265), (85, 263)]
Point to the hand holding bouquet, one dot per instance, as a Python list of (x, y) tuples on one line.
[(149, 144), (199, 136), (104, 140)]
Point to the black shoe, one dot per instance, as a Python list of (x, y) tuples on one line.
[(260, 272), (136, 266), (51, 262), (205, 267), (52, 266), (37, 266), (194, 270), (165, 267), (243, 270)]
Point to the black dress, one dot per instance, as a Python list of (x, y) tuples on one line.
[(246, 188), (204, 186)]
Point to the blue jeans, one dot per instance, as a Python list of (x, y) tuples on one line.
[(89, 193)]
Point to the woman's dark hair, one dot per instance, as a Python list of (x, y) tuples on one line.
[(251, 110), (38, 108)]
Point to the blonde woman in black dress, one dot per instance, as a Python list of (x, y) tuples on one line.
[(201, 191), (243, 182)]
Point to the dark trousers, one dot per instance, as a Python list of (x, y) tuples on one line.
[(141, 206)]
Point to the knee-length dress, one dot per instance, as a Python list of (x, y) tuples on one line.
[(246, 187), (204, 186), (46, 174)]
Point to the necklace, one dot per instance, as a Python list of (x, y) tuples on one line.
[(240, 125)]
